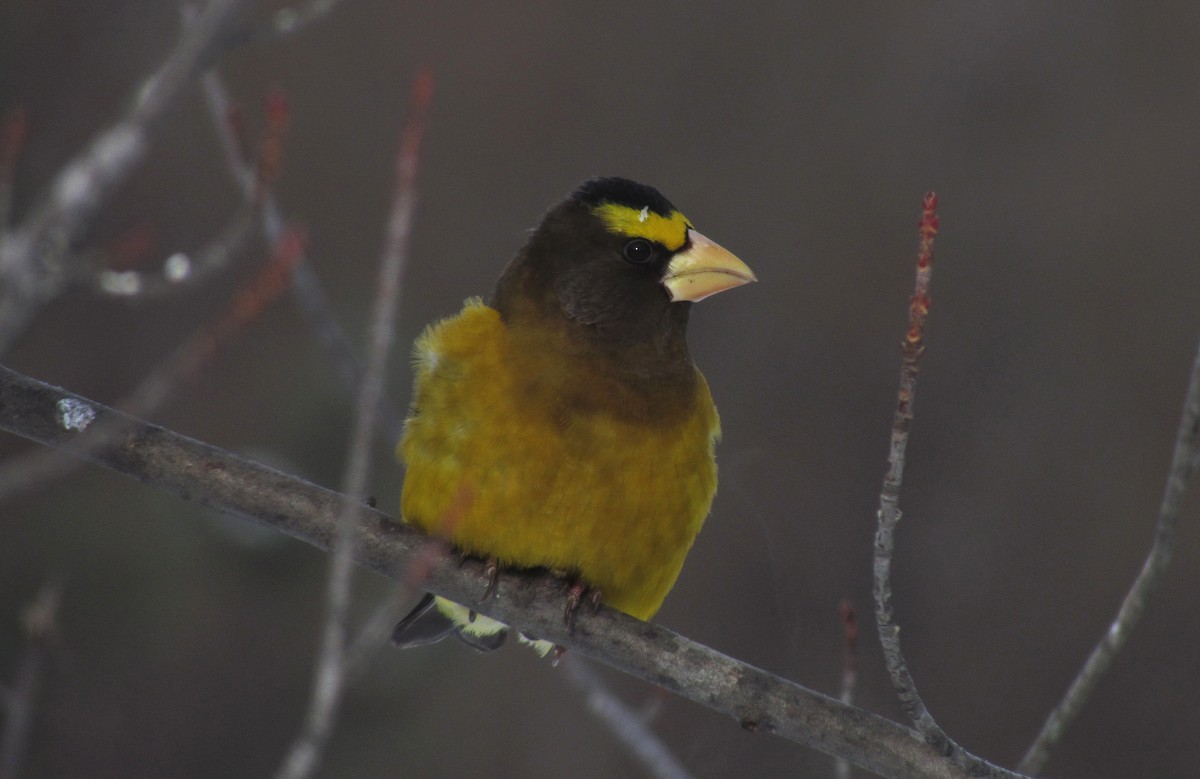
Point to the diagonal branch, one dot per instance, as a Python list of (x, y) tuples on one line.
[(758, 700), (306, 286), (34, 469), (32, 255), (626, 725), (1183, 464)]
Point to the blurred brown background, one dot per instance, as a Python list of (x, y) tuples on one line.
[(1063, 141)]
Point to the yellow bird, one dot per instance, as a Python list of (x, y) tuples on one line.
[(562, 424)]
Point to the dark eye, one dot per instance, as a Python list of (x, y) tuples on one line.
[(639, 251)]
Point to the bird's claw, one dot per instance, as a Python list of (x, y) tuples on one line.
[(576, 595), (491, 569)]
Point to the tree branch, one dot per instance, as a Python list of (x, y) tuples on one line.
[(22, 700), (34, 469), (841, 767), (889, 514), (625, 724), (1183, 464), (531, 603), (306, 286), (330, 673), (32, 255)]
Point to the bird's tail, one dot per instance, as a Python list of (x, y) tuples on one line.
[(434, 618)]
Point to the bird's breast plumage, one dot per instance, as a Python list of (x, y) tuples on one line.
[(519, 449)]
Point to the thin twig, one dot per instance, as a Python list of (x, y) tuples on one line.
[(377, 629), (285, 22), (33, 470), (889, 512), (33, 254), (314, 303), (29, 471), (180, 271), (531, 603), (306, 286), (1184, 461), (329, 684), (374, 633), (14, 128), (629, 727), (849, 671), (21, 701), (889, 498)]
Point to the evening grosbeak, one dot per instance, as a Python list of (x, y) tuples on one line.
[(562, 424)]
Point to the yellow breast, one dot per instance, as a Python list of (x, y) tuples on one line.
[(506, 458)]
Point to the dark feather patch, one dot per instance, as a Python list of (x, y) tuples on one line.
[(612, 189), (425, 624)]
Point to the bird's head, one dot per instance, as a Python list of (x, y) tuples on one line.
[(618, 258)]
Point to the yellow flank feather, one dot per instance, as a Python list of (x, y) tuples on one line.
[(670, 231), (521, 451)]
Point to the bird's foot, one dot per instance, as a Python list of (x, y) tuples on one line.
[(576, 595), (491, 569)]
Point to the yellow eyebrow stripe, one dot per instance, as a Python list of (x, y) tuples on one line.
[(670, 231)]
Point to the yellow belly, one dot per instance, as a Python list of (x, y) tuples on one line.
[(496, 466)]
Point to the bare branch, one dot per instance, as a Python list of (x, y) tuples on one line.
[(22, 699), (889, 513), (374, 633), (13, 130), (287, 21), (889, 498), (1183, 465), (34, 469), (531, 603), (306, 287), (849, 671), (329, 684), (624, 723), (33, 255), (181, 271)]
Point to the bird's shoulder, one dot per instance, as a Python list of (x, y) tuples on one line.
[(475, 334)]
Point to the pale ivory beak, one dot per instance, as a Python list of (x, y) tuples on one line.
[(703, 269)]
